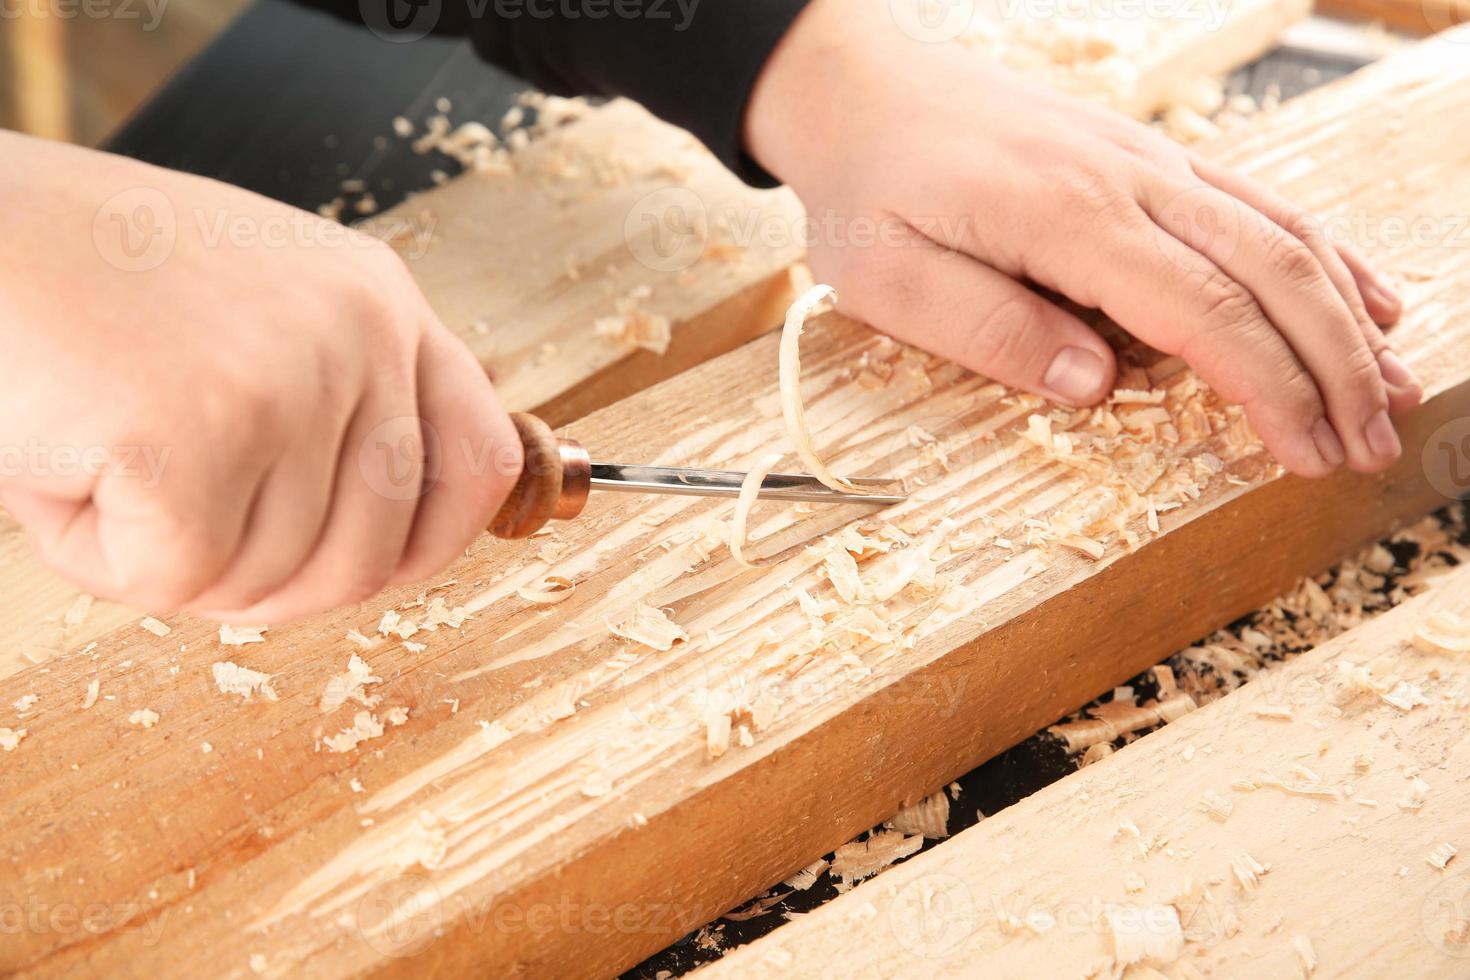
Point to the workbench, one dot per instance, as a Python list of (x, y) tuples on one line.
[(240, 126)]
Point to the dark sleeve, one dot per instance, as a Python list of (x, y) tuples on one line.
[(691, 62)]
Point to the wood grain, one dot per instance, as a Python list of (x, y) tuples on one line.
[(549, 806), (522, 266), (1316, 778)]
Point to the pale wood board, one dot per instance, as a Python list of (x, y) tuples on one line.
[(1345, 847), (522, 266), (574, 773)]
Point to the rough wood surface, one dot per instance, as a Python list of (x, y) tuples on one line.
[(1308, 771), (522, 266), (549, 805), (614, 205)]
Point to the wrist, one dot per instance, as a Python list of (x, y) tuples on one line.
[(795, 108)]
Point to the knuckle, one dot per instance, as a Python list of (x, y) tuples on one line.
[(1012, 336), (1364, 377), (1296, 262), (1095, 192), (1224, 305)]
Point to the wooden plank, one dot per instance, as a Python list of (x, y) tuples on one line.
[(1417, 16), (522, 266), (1309, 772), (1136, 64), (549, 806)]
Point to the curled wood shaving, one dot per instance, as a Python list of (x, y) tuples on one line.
[(94, 687), (10, 738), (792, 406), (651, 627), (1443, 626), (549, 591), (231, 678), (145, 717), (750, 489), (1442, 855)]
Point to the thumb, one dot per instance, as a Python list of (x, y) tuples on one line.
[(951, 305)]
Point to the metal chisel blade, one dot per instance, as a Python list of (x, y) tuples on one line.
[(723, 483)]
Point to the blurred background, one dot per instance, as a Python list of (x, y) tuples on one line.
[(75, 69)]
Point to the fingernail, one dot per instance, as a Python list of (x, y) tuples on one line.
[(1381, 436), (1328, 444), (1076, 375), (1395, 371)]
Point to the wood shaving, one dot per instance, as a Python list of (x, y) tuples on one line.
[(1247, 872), (1442, 855), (750, 489), (1307, 954), (928, 818), (365, 725), (1443, 626), (634, 326), (792, 407), (1145, 933), (651, 627), (861, 859), (155, 626), (1216, 805), (717, 733), (234, 636), (231, 678), (549, 591), (94, 687), (351, 686), (807, 876), (145, 717), (10, 738)]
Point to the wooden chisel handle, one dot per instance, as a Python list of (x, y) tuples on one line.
[(553, 484)]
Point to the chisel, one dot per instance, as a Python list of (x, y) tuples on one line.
[(559, 475)]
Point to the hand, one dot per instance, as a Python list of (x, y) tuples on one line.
[(214, 401), (981, 181)]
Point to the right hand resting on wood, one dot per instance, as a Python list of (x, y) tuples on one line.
[(220, 404)]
